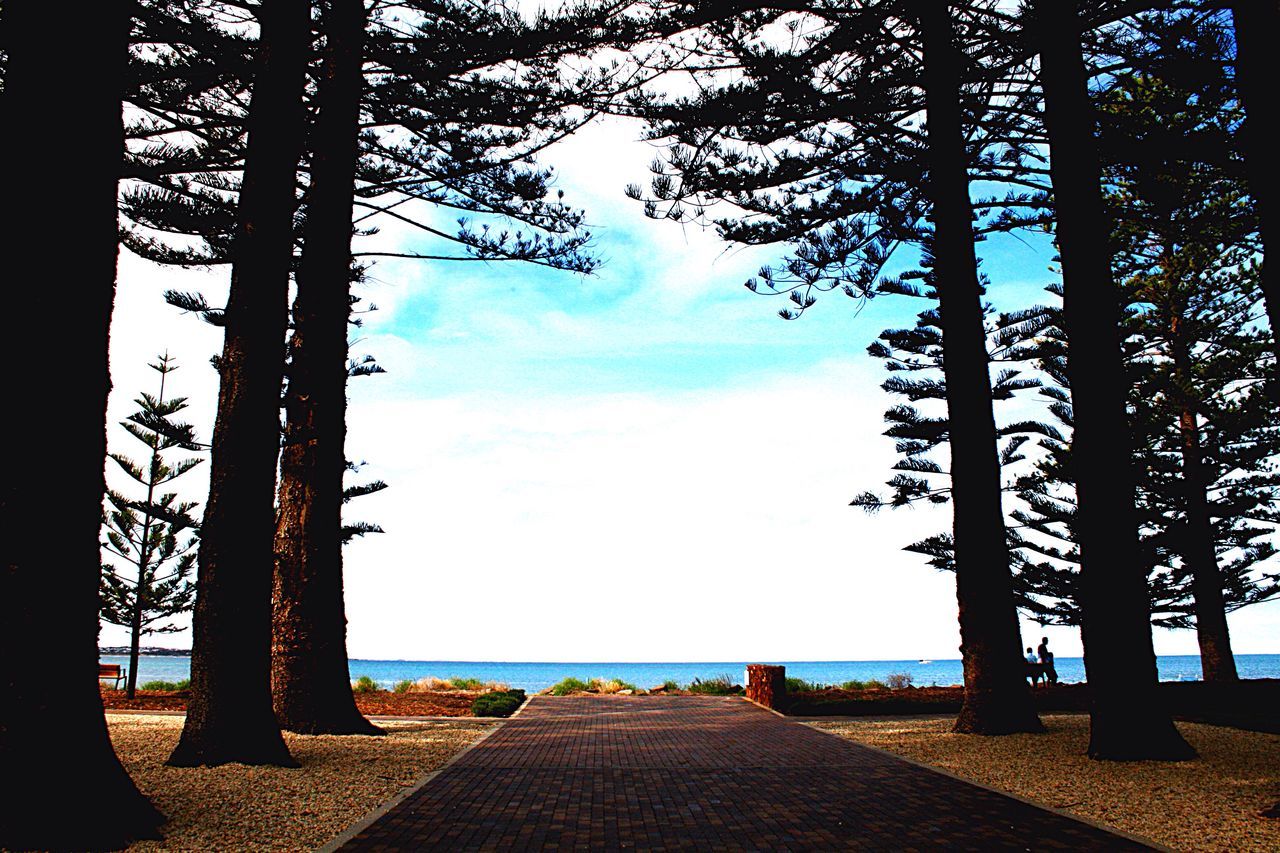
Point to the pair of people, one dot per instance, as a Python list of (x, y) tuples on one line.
[(1043, 659)]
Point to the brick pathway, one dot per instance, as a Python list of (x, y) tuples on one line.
[(683, 773)]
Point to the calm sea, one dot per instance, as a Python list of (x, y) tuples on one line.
[(536, 676)]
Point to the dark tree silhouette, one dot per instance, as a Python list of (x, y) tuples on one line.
[(310, 680), (844, 175), (155, 536), (996, 699), (1257, 29), (230, 716), (1126, 721), (80, 145)]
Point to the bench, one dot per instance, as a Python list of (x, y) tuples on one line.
[(113, 671), (1038, 672)]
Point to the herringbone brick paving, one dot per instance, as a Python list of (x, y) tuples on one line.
[(702, 773)]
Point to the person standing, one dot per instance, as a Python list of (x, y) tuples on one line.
[(1046, 660)]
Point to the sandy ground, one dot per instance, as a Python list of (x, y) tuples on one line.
[(382, 702), (269, 808), (1212, 803)]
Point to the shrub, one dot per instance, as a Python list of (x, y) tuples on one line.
[(365, 684), (568, 686), (670, 684), (169, 686), (875, 684), (898, 680), (854, 684), (612, 685), (404, 686), (799, 685), (721, 685), (499, 703), (459, 683)]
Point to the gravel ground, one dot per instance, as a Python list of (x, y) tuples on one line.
[(236, 807), (1212, 803)]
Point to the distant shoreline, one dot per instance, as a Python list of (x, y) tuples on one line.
[(145, 650)]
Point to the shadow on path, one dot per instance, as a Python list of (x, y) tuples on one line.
[(704, 773)]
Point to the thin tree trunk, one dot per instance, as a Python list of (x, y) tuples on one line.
[(229, 717), (1127, 721), (54, 745), (135, 643), (310, 680), (1257, 29), (996, 697), (1217, 663), (144, 560)]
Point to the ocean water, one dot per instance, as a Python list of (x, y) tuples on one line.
[(533, 676)]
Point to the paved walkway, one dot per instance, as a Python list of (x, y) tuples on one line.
[(714, 773)]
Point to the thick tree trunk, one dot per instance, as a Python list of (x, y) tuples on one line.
[(1257, 29), (996, 697), (310, 681), (54, 746), (229, 717), (1120, 661), (1217, 663)]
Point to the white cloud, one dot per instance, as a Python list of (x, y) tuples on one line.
[(541, 508)]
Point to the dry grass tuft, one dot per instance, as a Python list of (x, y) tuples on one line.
[(236, 807), (610, 685), (431, 684), (1213, 803)]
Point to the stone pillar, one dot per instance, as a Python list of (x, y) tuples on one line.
[(767, 685)]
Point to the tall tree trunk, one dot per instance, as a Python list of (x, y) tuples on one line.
[(229, 717), (1127, 721), (310, 680), (1217, 663), (1257, 29), (996, 697), (54, 745)]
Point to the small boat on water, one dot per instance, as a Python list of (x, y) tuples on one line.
[(922, 660)]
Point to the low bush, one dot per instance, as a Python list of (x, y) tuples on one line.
[(364, 684), (671, 684), (853, 684), (459, 683), (799, 685), (572, 685), (721, 685), (898, 680), (499, 703), (405, 686), (568, 686), (875, 684), (169, 686), (611, 685)]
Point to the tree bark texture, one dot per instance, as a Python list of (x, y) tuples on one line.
[(53, 735), (1199, 551), (1257, 30), (996, 697), (230, 717), (310, 679), (1127, 721)]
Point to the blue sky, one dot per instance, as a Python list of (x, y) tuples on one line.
[(627, 466)]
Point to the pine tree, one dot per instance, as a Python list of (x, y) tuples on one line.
[(1126, 722), (229, 715), (816, 138), (62, 145), (153, 537), (1256, 27), (390, 102)]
